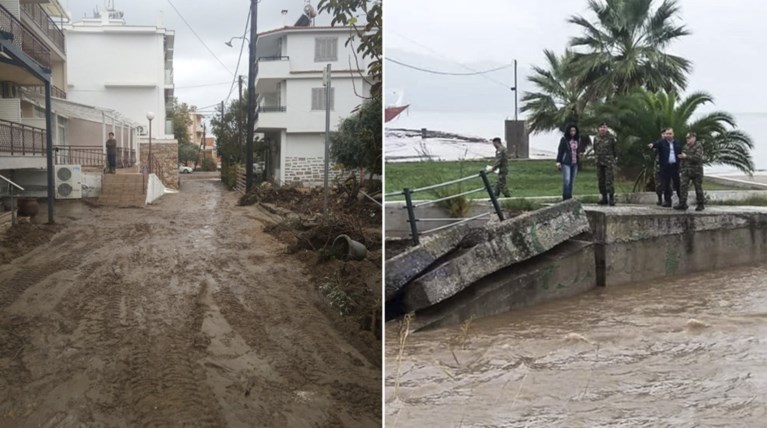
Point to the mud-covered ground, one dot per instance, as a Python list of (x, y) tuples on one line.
[(183, 313)]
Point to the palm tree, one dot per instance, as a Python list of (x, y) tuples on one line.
[(560, 100), (639, 117), (625, 48)]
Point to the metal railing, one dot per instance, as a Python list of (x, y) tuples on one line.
[(18, 139), (40, 17), (40, 90), (12, 29), (11, 185), (411, 207), (273, 58), (272, 109), (79, 155)]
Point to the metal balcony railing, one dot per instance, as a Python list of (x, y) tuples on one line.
[(17, 139), (272, 109), (56, 92), (273, 58), (12, 29), (37, 14)]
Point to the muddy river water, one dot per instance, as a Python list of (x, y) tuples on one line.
[(686, 352)]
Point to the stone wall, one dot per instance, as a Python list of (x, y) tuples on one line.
[(167, 155), (307, 170)]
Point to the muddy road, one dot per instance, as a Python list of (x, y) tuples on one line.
[(183, 313)]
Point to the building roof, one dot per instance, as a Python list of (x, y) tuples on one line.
[(292, 29), (81, 111)]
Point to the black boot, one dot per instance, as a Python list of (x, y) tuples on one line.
[(660, 200), (699, 207), (603, 201), (681, 206), (612, 199)]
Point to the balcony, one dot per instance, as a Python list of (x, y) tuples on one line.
[(56, 92), (13, 30), (272, 109), (37, 14), (272, 67), (168, 77), (17, 139)]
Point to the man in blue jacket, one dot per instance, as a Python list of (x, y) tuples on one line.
[(668, 150)]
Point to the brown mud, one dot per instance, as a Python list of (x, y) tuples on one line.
[(183, 313)]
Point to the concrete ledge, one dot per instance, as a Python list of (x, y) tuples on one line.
[(641, 243), (565, 271), (502, 244)]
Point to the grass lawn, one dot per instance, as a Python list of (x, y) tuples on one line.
[(526, 179)]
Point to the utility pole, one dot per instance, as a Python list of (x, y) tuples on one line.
[(239, 114), (49, 150), (327, 136), (516, 91), (252, 114)]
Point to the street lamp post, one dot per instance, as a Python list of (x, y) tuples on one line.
[(150, 116)]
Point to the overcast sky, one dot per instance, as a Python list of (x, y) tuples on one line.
[(726, 47), (215, 22)]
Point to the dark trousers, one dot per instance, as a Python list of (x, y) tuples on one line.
[(669, 175), (112, 161)]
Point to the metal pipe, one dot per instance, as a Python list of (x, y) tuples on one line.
[(252, 116), (446, 183), (327, 138), (494, 200), (49, 150), (434, 201), (456, 223), (411, 216)]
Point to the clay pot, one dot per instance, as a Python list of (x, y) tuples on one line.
[(28, 207)]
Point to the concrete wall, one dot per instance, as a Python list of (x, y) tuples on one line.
[(640, 243), (167, 154), (565, 271)]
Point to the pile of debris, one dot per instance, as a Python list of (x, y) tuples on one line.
[(352, 288)]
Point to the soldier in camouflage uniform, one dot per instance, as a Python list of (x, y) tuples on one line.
[(606, 155), (658, 183), (691, 170), (502, 165)]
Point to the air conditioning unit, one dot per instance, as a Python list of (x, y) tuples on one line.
[(69, 182)]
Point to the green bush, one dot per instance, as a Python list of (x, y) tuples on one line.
[(208, 164), (229, 176)]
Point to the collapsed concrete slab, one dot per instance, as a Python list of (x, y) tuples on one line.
[(502, 244), (403, 267), (639, 243), (565, 271)]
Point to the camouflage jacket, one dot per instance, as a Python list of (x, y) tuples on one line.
[(694, 154), (501, 161), (604, 150)]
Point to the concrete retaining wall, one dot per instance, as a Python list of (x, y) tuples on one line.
[(565, 271), (642, 243)]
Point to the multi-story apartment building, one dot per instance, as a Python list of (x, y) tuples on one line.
[(291, 96), (124, 67), (32, 52)]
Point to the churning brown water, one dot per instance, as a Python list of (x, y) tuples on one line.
[(687, 352)]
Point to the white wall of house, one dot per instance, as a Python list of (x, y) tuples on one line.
[(119, 67), (303, 123)]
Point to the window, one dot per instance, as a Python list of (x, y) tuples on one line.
[(326, 49), (318, 98)]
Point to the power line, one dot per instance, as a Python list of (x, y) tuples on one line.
[(505, 85), (237, 69), (446, 73), (198, 37)]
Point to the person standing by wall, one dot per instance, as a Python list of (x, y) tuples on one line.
[(502, 165), (568, 157), (607, 157), (692, 170), (111, 153), (668, 153)]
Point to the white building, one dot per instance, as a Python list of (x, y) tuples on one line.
[(291, 96), (123, 67)]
